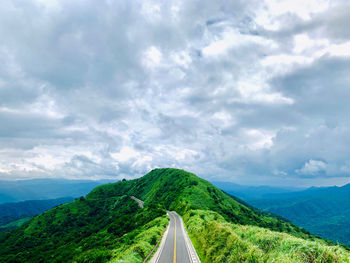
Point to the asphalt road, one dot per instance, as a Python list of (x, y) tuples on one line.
[(174, 249), (138, 201)]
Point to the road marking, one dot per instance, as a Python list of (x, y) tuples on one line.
[(191, 252), (175, 241), (189, 246), (156, 256)]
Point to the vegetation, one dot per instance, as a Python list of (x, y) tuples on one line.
[(108, 226), (182, 191), (217, 240), (86, 230)]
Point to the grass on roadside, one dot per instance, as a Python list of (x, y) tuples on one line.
[(216, 241)]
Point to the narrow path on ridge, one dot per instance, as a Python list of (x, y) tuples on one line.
[(176, 247)]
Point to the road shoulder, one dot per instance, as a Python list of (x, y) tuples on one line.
[(156, 255), (190, 249)]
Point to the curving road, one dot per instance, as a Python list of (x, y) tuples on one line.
[(140, 202), (176, 246)]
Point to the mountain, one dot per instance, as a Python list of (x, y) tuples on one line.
[(324, 211), (31, 207), (247, 192), (11, 214), (109, 226), (38, 189)]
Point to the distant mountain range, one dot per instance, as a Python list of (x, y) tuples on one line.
[(31, 207), (324, 211), (247, 192), (13, 215), (39, 189)]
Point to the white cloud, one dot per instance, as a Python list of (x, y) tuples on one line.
[(341, 50), (49, 3), (271, 15), (231, 38), (313, 167), (241, 90), (125, 154), (304, 9), (151, 10), (303, 43), (259, 139), (152, 57)]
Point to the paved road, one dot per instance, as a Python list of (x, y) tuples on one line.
[(177, 247), (138, 201)]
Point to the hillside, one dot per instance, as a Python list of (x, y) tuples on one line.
[(182, 191), (12, 214), (322, 211), (108, 225), (86, 230)]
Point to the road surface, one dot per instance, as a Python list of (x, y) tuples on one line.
[(176, 246), (138, 201)]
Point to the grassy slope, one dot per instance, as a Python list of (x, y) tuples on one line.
[(87, 230), (217, 240), (182, 191)]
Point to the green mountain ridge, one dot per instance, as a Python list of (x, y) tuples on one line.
[(108, 226)]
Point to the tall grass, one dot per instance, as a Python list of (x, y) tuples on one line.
[(143, 243), (218, 241)]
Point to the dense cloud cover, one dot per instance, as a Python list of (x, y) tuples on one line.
[(255, 92)]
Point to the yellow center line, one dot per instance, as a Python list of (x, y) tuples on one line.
[(175, 242)]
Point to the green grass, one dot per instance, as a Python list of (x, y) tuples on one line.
[(183, 191), (136, 246), (86, 230), (216, 240)]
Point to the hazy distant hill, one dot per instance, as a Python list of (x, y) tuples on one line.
[(247, 192), (12, 214), (323, 211), (38, 189), (31, 207), (108, 226)]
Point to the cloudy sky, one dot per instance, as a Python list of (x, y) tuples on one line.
[(248, 91)]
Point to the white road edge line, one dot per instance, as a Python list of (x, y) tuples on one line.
[(190, 249), (156, 255)]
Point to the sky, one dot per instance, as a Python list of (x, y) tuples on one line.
[(247, 91)]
